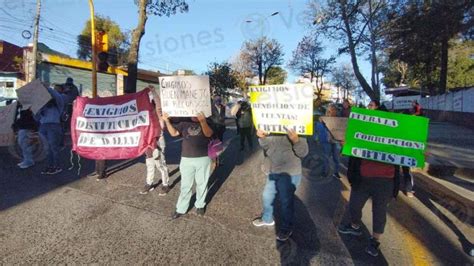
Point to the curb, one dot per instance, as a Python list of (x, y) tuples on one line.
[(459, 205)]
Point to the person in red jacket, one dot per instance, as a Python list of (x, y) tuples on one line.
[(377, 181), (416, 108)]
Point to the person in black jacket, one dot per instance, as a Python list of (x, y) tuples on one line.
[(26, 126), (377, 181)]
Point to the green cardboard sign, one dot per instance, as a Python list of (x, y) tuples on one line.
[(386, 137)]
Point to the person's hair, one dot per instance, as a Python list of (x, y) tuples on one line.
[(377, 103), (332, 110)]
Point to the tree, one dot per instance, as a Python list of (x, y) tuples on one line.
[(419, 33), (308, 59), (241, 71), (276, 75), (261, 55), (359, 24), (145, 8), (117, 40), (460, 65), (221, 78), (343, 77)]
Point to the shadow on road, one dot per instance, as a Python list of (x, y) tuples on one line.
[(461, 213), (304, 244)]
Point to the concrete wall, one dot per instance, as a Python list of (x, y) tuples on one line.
[(461, 101)]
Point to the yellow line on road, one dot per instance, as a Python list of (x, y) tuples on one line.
[(418, 252)]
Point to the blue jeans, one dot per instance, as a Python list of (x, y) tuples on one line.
[(331, 150), (24, 139), (52, 132), (286, 186)]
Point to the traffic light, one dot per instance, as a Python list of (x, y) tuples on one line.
[(101, 42), (102, 64)]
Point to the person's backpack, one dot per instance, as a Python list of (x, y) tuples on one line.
[(214, 148)]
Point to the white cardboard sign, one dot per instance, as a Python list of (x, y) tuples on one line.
[(185, 96)]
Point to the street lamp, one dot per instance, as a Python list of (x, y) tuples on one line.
[(260, 20)]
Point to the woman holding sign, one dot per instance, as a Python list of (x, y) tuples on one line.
[(377, 181), (195, 163)]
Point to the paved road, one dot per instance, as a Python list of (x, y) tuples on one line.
[(75, 219)]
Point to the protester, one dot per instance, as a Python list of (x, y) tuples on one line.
[(155, 158), (416, 110), (346, 108), (375, 180), (49, 117), (282, 162), (330, 146), (408, 182), (195, 165), (218, 117), (233, 111), (244, 123), (70, 93), (100, 171), (26, 126)]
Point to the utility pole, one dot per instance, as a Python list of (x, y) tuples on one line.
[(94, 70), (32, 75)]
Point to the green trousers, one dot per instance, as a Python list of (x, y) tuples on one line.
[(193, 169)]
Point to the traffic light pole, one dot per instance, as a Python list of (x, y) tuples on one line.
[(34, 53), (94, 70)]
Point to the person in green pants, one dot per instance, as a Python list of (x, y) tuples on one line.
[(195, 163)]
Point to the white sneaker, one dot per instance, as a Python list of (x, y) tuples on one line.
[(259, 222), (20, 163), (26, 165)]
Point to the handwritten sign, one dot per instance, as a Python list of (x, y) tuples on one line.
[(34, 94), (277, 108), (185, 96), (7, 117)]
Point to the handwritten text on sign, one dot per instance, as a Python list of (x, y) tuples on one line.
[(185, 96), (278, 108)]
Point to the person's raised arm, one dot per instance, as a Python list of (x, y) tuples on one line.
[(206, 129), (173, 132)]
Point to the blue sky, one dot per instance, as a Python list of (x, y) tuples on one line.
[(211, 30)]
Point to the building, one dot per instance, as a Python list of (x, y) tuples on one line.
[(11, 72), (54, 68)]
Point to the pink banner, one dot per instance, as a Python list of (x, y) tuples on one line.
[(119, 127)]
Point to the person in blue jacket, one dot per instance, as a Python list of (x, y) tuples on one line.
[(49, 117)]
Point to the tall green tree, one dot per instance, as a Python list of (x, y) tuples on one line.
[(117, 40), (418, 33), (276, 75), (261, 55), (460, 64), (221, 78), (145, 8)]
